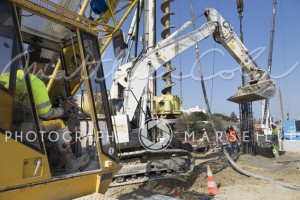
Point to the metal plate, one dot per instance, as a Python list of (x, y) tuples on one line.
[(254, 92)]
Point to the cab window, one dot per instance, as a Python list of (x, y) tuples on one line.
[(18, 120)]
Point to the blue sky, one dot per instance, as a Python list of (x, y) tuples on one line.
[(256, 26)]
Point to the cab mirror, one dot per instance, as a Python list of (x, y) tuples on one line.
[(119, 44)]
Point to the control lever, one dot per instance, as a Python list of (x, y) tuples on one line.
[(37, 163), (73, 107)]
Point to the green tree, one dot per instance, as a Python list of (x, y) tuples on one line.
[(190, 122), (224, 117), (233, 117), (200, 116)]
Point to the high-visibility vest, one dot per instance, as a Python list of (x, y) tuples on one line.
[(20, 89), (4, 79), (39, 90), (275, 132), (232, 136)]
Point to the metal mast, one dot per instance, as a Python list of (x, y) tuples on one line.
[(246, 116), (150, 39), (281, 106), (266, 108)]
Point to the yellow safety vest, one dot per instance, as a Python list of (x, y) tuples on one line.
[(39, 90), (4, 79)]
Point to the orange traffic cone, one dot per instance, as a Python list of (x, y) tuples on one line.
[(212, 186), (177, 192)]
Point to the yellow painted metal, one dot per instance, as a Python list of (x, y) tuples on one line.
[(106, 18), (80, 17), (74, 72), (86, 107), (133, 3), (73, 69), (76, 20), (122, 8), (18, 161), (53, 16), (6, 102), (51, 81), (84, 7), (111, 12), (63, 189), (59, 10), (30, 169), (67, 188), (88, 88), (27, 70), (53, 122), (17, 180), (14, 170), (92, 107), (105, 36), (167, 104)]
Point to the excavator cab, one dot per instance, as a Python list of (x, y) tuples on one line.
[(31, 167)]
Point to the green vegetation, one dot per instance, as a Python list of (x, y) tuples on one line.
[(198, 122), (233, 117)]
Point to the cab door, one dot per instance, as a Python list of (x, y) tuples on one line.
[(22, 153)]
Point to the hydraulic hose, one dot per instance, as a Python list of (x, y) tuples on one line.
[(249, 174)]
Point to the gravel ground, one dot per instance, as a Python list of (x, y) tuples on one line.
[(232, 185)]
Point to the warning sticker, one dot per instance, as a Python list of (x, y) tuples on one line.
[(232, 47)]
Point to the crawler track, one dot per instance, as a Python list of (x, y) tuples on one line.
[(145, 166)]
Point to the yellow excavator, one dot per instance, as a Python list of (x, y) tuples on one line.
[(62, 33)]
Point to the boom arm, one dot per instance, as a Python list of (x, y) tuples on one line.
[(231, 42), (168, 49)]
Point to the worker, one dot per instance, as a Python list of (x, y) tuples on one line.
[(233, 140), (275, 147), (50, 116), (227, 130)]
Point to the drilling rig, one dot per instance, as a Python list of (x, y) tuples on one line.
[(151, 164), (167, 105)]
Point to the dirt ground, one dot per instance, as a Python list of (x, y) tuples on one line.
[(232, 185)]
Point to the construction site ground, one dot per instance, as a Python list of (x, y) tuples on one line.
[(232, 185)]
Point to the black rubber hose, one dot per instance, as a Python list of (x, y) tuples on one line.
[(246, 173)]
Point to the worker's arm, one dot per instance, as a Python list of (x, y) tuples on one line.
[(53, 113), (59, 112), (237, 136)]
